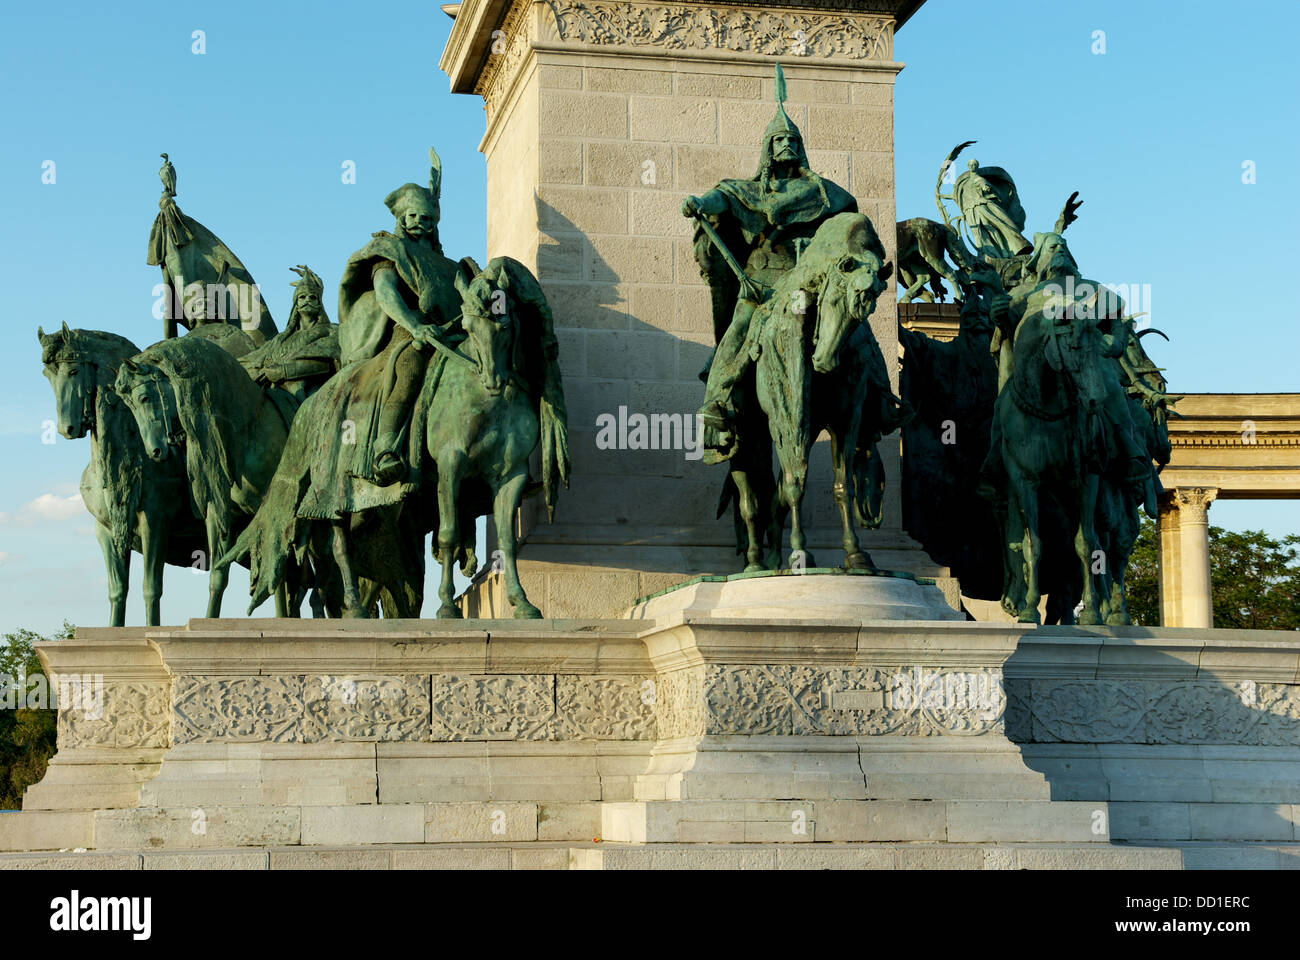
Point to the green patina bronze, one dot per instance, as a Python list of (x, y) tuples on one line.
[(450, 381), (790, 263), (1046, 405), (138, 504), (205, 282)]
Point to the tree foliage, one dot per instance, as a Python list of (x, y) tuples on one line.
[(27, 737), (1255, 579)]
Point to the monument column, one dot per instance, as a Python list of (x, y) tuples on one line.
[(1170, 564), (1195, 603), (601, 119)]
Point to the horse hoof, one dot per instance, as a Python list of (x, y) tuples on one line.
[(526, 611), (356, 613), (449, 612), (1089, 618), (755, 568), (1119, 620), (858, 561), (1030, 616)]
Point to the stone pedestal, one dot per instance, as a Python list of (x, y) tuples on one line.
[(696, 730), (601, 119)]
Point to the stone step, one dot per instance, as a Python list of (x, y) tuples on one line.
[(45, 829), (855, 821), (684, 856), (650, 822)]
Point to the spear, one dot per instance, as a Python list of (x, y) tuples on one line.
[(751, 289)]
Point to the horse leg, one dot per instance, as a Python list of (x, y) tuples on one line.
[(216, 577), (119, 576), (748, 503), (1026, 498), (352, 606), (152, 549), (508, 496), (792, 493), (854, 556), (449, 476), (1085, 543)]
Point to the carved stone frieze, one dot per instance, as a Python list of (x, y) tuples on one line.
[(1183, 712), (507, 707), (605, 708), (300, 709), (777, 33), (783, 699), (356, 708), (117, 714)]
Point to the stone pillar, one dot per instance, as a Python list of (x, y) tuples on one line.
[(1170, 569), (601, 119), (1196, 607)]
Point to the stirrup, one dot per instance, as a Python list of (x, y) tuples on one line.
[(389, 469)]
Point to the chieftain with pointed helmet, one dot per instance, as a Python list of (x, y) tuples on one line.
[(756, 225)]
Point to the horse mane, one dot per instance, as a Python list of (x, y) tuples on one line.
[(104, 349), (216, 405), (115, 444)]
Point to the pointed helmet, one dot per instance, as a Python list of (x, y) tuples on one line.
[(780, 125)]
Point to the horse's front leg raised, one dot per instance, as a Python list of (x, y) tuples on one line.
[(449, 477), (854, 556), (508, 496), (119, 575)]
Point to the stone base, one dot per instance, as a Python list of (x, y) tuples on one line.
[(717, 717), (809, 595)]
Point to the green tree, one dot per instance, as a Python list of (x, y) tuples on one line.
[(27, 737), (1255, 579)]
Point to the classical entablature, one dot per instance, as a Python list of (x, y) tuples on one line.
[(1244, 445), (1226, 446)]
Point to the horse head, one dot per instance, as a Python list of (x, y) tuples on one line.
[(148, 394), (851, 276), (488, 303), (79, 363)]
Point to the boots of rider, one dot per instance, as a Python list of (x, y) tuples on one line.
[(730, 361), (395, 414)]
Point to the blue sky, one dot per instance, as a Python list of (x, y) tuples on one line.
[(1153, 134)]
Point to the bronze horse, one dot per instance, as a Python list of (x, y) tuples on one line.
[(137, 503)]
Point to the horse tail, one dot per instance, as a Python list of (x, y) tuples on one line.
[(272, 536)]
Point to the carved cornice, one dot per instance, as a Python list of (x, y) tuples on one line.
[(505, 55), (764, 31), (469, 48), (734, 29)]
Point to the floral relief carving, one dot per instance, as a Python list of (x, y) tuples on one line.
[(1188, 712), (122, 714), (605, 708), (783, 33), (507, 707), (239, 710), (361, 708)]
